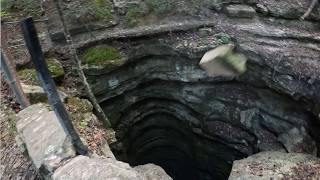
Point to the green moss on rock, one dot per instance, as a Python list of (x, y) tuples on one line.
[(4, 14), (55, 68), (103, 10), (160, 7), (222, 38), (23, 7), (80, 111), (29, 75), (88, 11), (140, 13), (35, 94), (77, 104), (134, 13), (103, 56)]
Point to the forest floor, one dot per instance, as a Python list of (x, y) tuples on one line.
[(14, 165)]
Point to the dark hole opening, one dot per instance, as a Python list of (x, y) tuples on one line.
[(183, 154)]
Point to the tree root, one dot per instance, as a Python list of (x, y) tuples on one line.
[(311, 7)]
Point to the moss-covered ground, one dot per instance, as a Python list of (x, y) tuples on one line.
[(101, 56)]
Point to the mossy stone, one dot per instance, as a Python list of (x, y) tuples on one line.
[(77, 104), (80, 111), (29, 75), (103, 10), (90, 11), (134, 13), (160, 7), (105, 57), (55, 68), (138, 13), (223, 38), (23, 7)]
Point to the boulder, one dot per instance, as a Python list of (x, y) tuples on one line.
[(276, 165), (99, 168), (42, 135), (36, 94)]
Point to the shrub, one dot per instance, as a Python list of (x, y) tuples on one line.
[(222, 38)]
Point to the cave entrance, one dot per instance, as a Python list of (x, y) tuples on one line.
[(164, 140)]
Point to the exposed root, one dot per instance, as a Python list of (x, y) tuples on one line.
[(311, 7)]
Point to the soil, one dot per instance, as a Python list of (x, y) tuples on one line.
[(14, 165)]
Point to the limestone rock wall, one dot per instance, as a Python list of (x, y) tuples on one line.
[(161, 86), (158, 84)]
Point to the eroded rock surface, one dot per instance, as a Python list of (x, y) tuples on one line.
[(162, 86), (42, 135), (161, 103), (85, 16), (276, 165)]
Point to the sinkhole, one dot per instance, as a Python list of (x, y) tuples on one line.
[(167, 111), (180, 152)]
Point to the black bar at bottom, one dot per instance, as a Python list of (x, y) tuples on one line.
[(32, 42)]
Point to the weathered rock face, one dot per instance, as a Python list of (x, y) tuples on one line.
[(168, 111), (83, 16), (276, 165), (42, 137), (161, 98)]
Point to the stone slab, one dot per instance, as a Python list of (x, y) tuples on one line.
[(99, 168), (40, 131), (276, 165)]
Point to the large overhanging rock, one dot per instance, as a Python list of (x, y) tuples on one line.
[(276, 165)]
